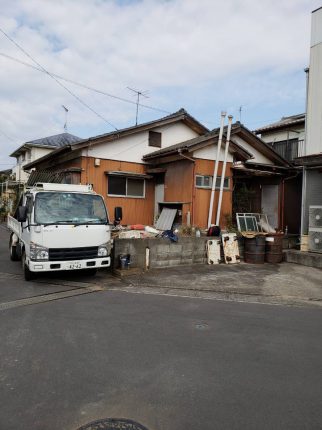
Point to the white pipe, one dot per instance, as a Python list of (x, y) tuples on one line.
[(214, 179), (223, 172)]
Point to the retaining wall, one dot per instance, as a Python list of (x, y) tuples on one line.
[(163, 253)]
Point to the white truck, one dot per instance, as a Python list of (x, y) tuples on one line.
[(60, 227)]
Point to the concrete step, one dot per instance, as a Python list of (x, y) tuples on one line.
[(310, 259)]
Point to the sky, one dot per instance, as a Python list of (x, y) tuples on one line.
[(203, 55)]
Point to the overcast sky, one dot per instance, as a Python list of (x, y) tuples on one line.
[(203, 55)]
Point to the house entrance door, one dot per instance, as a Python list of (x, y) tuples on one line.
[(270, 203)]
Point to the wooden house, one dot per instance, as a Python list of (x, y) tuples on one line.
[(166, 163)]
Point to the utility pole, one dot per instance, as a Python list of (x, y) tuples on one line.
[(138, 95)]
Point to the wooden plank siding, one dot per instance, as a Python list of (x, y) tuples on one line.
[(178, 185), (135, 210), (202, 196)]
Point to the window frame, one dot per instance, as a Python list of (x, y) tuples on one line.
[(205, 187), (126, 181), (153, 137)]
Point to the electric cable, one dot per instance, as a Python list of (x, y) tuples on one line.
[(56, 80)]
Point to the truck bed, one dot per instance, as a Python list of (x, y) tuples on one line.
[(14, 225)]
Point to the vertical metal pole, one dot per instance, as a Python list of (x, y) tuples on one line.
[(223, 172), (214, 179), (304, 170), (137, 109)]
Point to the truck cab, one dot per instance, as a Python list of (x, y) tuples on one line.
[(60, 227)]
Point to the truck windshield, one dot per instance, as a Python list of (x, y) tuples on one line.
[(69, 208)]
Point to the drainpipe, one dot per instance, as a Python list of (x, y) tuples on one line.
[(185, 156), (214, 179), (223, 172)]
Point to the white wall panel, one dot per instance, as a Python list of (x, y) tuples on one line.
[(132, 148)]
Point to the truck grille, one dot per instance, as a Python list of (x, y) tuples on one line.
[(61, 254)]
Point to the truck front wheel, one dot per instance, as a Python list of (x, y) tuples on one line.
[(13, 250), (28, 275)]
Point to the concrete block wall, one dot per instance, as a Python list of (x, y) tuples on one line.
[(163, 253)]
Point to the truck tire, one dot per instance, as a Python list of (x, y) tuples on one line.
[(13, 250), (28, 275)]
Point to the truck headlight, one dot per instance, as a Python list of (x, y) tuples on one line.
[(104, 250), (38, 253)]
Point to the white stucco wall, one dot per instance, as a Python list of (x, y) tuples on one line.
[(132, 148), (258, 157), (314, 106), (210, 153), (31, 154), (39, 152), (280, 135)]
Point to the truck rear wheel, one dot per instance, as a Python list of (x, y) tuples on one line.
[(28, 275), (13, 250)]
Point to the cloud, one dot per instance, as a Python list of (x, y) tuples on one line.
[(200, 54)]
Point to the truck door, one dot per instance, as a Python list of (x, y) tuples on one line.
[(28, 201)]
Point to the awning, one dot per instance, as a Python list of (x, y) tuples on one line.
[(127, 174), (255, 169)]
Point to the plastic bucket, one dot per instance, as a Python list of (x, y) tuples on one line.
[(125, 261)]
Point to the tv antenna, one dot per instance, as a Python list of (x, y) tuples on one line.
[(240, 113), (66, 114), (138, 95)]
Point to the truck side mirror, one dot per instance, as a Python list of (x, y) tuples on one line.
[(118, 215), (22, 213)]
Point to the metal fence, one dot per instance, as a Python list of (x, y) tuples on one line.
[(289, 149)]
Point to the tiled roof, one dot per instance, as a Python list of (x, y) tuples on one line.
[(285, 121), (56, 141), (237, 128)]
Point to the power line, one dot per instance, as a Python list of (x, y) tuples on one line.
[(8, 137), (56, 80), (122, 99)]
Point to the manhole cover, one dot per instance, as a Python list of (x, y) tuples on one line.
[(113, 424)]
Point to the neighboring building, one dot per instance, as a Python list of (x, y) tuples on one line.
[(286, 136), (312, 156), (35, 149), (5, 175), (169, 163)]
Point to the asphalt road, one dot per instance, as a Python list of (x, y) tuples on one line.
[(170, 363)]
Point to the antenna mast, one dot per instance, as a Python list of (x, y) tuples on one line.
[(138, 95), (240, 113), (66, 117)]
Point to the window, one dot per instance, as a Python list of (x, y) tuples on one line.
[(126, 186), (29, 204), (69, 208), (205, 181), (155, 139)]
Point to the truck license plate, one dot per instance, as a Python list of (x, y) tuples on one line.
[(73, 266)]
